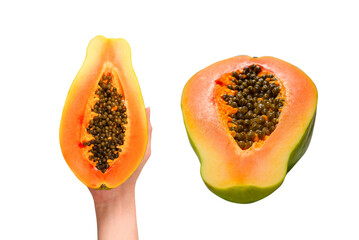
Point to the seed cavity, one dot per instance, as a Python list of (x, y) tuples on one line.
[(258, 99), (107, 127)]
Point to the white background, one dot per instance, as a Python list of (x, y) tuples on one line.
[(43, 45)]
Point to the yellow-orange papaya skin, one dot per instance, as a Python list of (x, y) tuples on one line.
[(104, 56), (245, 176)]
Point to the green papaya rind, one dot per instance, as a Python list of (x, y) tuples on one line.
[(250, 194)]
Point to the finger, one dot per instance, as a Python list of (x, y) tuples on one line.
[(149, 125), (148, 112)]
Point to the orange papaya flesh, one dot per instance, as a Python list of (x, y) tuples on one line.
[(106, 72), (249, 174), (250, 103)]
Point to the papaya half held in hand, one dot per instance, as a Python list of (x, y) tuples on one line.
[(103, 130), (249, 120)]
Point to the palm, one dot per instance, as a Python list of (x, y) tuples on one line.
[(115, 193)]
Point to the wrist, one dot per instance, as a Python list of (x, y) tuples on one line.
[(116, 216), (120, 197)]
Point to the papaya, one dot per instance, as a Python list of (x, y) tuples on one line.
[(249, 120), (103, 129)]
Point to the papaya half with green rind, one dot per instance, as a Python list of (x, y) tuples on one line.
[(245, 156), (103, 130)]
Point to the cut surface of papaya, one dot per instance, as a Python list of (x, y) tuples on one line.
[(249, 120), (103, 129)]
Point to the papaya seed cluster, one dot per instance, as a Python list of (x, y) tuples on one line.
[(108, 125), (258, 100)]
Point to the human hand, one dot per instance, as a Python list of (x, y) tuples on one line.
[(104, 196), (115, 208)]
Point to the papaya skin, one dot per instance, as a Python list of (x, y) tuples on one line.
[(104, 55), (243, 176), (249, 194)]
